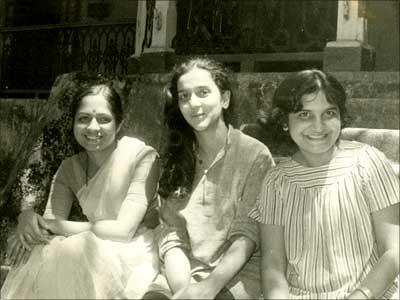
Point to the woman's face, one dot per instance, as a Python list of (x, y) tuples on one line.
[(95, 128), (200, 100), (316, 128)]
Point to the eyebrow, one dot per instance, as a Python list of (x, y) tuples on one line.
[(195, 88), (90, 114)]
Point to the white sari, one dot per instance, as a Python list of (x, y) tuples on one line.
[(84, 266)]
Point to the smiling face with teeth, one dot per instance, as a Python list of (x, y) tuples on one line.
[(95, 126), (315, 128)]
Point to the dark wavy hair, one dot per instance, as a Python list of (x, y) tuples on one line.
[(96, 84), (287, 99), (90, 83), (178, 157)]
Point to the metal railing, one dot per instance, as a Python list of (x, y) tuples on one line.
[(32, 57), (254, 26)]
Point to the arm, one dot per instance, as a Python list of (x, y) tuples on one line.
[(384, 272), (143, 187), (177, 269), (274, 263), (32, 227), (173, 243), (233, 260), (381, 188), (243, 236)]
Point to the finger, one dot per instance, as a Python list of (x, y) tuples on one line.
[(20, 256), (43, 223), (46, 235), (12, 242), (26, 257), (28, 241), (36, 228), (17, 254), (13, 251), (23, 241)]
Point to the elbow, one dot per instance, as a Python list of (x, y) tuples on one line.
[(392, 257), (114, 233), (125, 236)]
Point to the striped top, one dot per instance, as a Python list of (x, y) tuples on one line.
[(325, 212)]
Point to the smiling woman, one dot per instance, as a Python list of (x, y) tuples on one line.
[(113, 255), (211, 177), (329, 214)]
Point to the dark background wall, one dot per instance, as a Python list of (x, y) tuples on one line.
[(383, 33)]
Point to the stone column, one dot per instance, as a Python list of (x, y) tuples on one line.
[(155, 29), (350, 51)]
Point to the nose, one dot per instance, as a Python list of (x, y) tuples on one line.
[(93, 125), (318, 124), (194, 100)]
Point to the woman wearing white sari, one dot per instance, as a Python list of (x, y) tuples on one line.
[(113, 254)]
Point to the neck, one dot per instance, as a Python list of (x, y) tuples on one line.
[(210, 142), (97, 158), (315, 160)]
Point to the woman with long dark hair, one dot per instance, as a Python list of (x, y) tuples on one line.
[(211, 177)]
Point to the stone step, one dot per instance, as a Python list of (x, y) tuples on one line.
[(370, 84), (381, 113), (357, 84)]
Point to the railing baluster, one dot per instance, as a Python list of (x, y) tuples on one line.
[(31, 57)]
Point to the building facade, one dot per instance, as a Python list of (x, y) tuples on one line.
[(43, 38)]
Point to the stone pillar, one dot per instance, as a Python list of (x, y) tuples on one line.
[(155, 30), (350, 51), (3, 14)]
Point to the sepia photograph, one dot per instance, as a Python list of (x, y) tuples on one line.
[(199, 149)]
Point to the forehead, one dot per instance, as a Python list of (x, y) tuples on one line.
[(316, 100), (94, 104), (194, 78)]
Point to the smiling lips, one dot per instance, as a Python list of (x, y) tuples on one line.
[(198, 115), (317, 137), (93, 139)]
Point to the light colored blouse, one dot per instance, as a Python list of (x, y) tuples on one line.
[(326, 215), (217, 210), (122, 177), (84, 266)]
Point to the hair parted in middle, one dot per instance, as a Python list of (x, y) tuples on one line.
[(179, 158), (288, 99)]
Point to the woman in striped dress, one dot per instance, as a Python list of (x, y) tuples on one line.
[(328, 214)]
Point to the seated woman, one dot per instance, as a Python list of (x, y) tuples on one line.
[(329, 214), (113, 255), (211, 176)]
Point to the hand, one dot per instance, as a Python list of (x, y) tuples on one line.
[(16, 253), (199, 290), (31, 229)]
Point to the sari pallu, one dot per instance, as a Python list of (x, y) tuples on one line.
[(84, 265)]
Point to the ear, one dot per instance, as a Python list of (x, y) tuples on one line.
[(226, 99), (119, 127)]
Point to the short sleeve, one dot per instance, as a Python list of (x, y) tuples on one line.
[(380, 183), (172, 231), (243, 224), (142, 187), (269, 207), (61, 195)]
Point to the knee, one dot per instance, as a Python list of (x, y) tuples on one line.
[(155, 296)]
